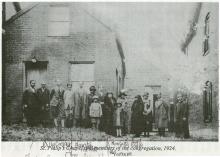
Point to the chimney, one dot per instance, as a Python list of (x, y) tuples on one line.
[(3, 14), (17, 6)]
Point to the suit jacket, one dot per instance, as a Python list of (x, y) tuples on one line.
[(181, 111), (56, 97), (43, 96), (30, 99)]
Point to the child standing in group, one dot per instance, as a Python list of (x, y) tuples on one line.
[(118, 119), (95, 112)]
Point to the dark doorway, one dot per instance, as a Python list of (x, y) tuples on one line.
[(35, 71)]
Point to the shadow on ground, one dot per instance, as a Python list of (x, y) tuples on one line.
[(20, 132)]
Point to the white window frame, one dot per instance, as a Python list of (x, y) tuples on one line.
[(52, 20), (81, 63)]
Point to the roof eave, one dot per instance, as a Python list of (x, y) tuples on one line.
[(20, 13)]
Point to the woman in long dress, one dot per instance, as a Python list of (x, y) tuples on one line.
[(108, 109)]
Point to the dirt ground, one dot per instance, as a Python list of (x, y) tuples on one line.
[(20, 132)]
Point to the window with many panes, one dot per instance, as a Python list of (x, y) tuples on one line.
[(59, 21)]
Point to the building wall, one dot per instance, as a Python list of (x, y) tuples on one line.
[(166, 65), (151, 75), (27, 36), (202, 67)]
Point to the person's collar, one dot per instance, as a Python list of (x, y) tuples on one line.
[(33, 89)]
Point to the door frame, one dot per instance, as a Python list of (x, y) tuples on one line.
[(24, 67), (154, 93), (80, 62)]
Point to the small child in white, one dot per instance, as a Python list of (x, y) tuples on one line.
[(95, 112), (118, 118)]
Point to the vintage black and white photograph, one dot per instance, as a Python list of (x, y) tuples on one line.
[(110, 70)]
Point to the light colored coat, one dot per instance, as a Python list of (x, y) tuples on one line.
[(81, 104), (68, 99), (161, 114), (95, 110)]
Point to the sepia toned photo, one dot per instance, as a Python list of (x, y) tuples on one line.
[(120, 71)]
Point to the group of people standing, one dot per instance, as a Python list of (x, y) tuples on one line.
[(68, 108), (165, 116)]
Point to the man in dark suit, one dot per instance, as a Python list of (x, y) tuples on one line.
[(43, 95), (181, 114), (30, 105)]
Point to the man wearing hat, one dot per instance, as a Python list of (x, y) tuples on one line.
[(90, 96), (43, 95), (125, 123), (92, 93)]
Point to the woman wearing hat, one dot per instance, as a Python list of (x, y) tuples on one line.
[(108, 109), (95, 112), (137, 121)]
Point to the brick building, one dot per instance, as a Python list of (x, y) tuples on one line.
[(50, 41)]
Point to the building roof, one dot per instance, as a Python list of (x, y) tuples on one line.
[(119, 46), (27, 9), (20, 13)]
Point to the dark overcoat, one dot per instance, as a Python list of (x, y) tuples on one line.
[(44, 99), (108, 109), (31, 112), (181, 119), (137, 120)]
